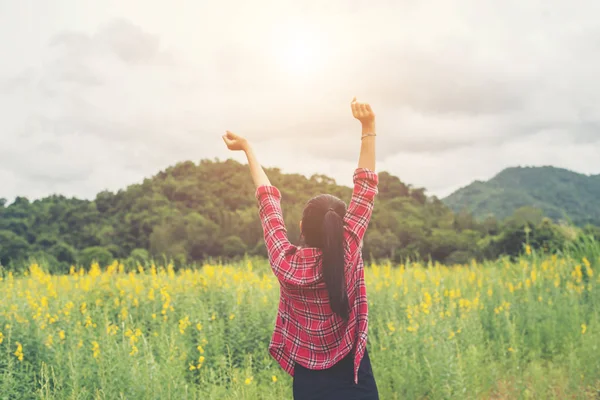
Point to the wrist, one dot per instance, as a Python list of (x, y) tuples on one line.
[(247, 148), (368, 128)]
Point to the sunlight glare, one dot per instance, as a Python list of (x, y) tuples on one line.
[(299, 50)]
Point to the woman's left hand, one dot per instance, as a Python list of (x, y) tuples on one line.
[(235, 142)]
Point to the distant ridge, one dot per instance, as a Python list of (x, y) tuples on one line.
[(560, 193)]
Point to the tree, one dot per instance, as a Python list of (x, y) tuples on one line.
[(234, 247), (95, 254), (13, 247), (391, 187), (193, 211), (64, 253), (419, 195), (139, 256), (490, 225), (203, 235)]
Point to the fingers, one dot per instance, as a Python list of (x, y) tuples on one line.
[(229, 138), (360, 110)]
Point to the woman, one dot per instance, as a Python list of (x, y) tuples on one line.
[(320, 332)]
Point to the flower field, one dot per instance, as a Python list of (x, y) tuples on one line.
[(499, 330)]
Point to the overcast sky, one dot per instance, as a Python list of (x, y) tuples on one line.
[(97, 95)]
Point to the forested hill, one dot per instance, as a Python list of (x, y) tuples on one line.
[(559, 193), (190, 212)]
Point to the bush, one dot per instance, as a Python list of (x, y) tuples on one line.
[(95, 254), (63, 253), (459, 257), (234, 247)]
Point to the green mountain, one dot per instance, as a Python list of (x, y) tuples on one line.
[(561, 194)]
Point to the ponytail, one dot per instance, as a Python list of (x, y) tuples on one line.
[(333, 263)]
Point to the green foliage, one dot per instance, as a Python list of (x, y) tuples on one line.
[(63, 253), (233, 247), (190, 213), (12, 247), (139, 256), (96, 254), (560, 194)]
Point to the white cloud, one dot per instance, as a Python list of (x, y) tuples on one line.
[(99, 99)]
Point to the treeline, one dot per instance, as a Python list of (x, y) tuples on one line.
[(192, 212)]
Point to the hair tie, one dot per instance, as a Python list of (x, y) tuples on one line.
[(331, 209)]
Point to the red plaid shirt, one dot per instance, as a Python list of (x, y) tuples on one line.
[(306, 330)]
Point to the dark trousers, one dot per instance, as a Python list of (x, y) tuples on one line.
[(337, 382)]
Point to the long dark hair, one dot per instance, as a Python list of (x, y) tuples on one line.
[(323, 227)]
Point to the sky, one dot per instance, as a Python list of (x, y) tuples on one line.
[(98, 95)]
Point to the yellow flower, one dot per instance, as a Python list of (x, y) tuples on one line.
[(274, 378), (89, 322), (232, 316), (199, 326), (1, 337), (112, 329), (583, 328), (49, 341), (183, 324), (510, 349), (391, 326), (192, 367), (61, 334), (95, 349), (248, 380), (528, 250), (19, 352), (134, 350)]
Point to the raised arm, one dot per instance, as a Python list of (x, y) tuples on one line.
[(360, 209), (269, 209), (236, 143), (366, 116)]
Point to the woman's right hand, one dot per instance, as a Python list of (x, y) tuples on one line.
[(362, 112), (235, 142)]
